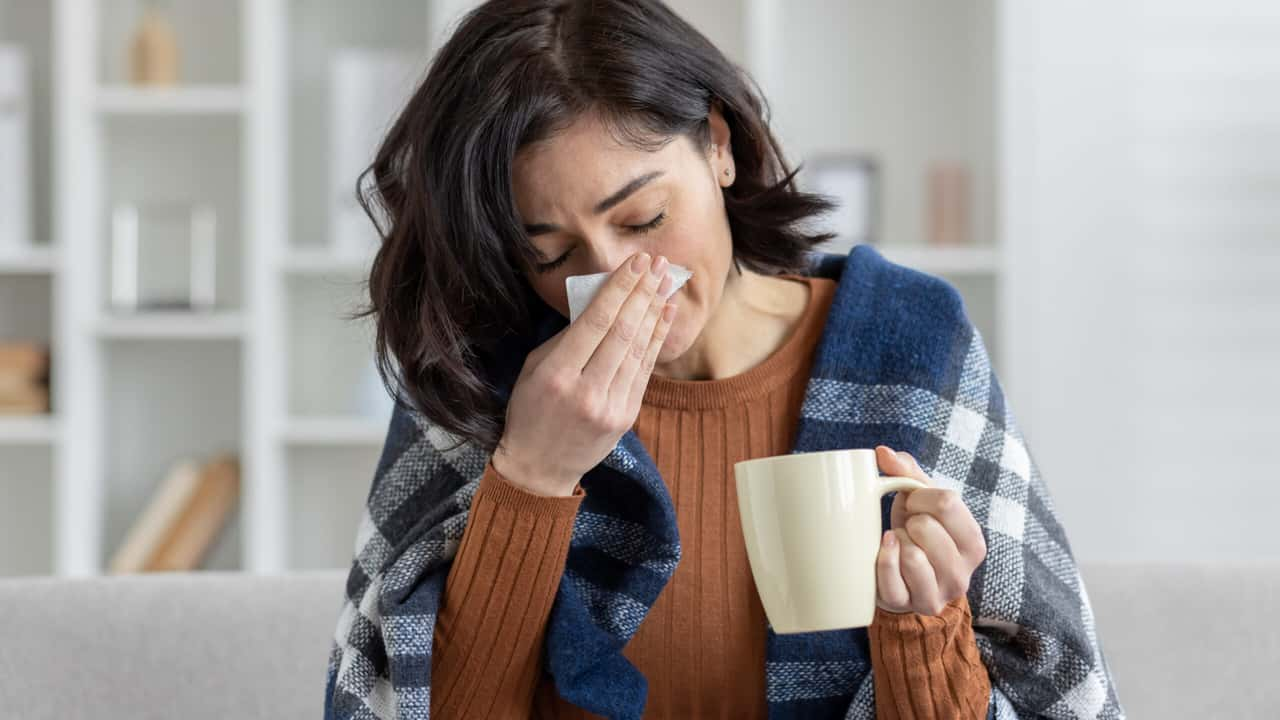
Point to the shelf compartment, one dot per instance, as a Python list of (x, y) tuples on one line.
[(167, 402), (329, 359), (209, 36), (187, 161), (26, 545), (327, 492)]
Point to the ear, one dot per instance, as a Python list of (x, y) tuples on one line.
[(721, 157)]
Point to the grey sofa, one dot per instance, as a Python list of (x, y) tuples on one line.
[(1183, 641)]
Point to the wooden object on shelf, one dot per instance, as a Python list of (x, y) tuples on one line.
[(24, 378), (25, 360), (153, 54), (31, 400), (180, 523), (948, 204)]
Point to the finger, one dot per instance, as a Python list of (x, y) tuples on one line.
[(641, 379), (948, 508), (535, 356), (899, 464), (951, 570), (586, 333), (898, 510), (890, 588), (612, 351), (620, 388), (918, 573)]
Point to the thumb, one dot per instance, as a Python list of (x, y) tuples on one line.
[(891, 463)]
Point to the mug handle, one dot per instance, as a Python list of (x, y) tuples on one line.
[(889, 483)]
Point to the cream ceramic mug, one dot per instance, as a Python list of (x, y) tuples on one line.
[(812, 524)]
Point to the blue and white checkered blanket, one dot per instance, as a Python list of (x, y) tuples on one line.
[(899, 364)]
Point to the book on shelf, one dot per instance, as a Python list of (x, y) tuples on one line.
[(30, 400), (183, 518), (24, 378)]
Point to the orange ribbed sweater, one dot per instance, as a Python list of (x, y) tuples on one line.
[(702, 645)]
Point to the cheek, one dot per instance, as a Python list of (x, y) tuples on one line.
[(552, 291), (684, 329)]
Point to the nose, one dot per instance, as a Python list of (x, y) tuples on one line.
[(609, 255)]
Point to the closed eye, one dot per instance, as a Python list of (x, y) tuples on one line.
[(636, 229)]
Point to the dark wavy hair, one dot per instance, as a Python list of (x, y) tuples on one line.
[(447, 281)]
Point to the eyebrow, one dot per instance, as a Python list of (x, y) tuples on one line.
[(603, 205)]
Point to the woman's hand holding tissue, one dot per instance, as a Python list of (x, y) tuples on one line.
[(581, 390)]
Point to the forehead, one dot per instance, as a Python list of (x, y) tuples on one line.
[(581, 165)]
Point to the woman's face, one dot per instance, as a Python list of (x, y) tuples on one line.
[(589, 203)]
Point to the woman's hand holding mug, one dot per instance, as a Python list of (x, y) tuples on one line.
[(581, 390), (933, 545)]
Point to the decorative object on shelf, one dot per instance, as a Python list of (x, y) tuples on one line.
[(852, 179), (163, 256), (948, 194), (153, 53), (15, 148), (368, 86), (24, 378), (182, 520)]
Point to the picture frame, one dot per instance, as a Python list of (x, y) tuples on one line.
[(163, 257), (852, 180)]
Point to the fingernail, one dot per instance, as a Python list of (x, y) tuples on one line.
[(890, 538), (658, 265), (638, 263)]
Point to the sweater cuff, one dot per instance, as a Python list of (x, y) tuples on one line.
[(928, 667), (504, 493), (954, 614)]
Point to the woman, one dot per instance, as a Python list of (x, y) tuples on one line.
[(552, 530)]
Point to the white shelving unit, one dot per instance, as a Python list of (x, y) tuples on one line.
[(268, 374), (36, 261), (206, 100), (28, 430), (275, 373)]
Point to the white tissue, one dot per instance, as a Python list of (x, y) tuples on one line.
[(582, 288)]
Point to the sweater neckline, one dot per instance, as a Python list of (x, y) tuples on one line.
[(759, 380)]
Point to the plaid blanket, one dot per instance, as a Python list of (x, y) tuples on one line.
[(899, 364)]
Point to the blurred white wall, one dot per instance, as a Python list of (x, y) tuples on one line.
[(1140, 147)]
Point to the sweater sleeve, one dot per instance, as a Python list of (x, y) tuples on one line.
[(497, 598), (928, 667)]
